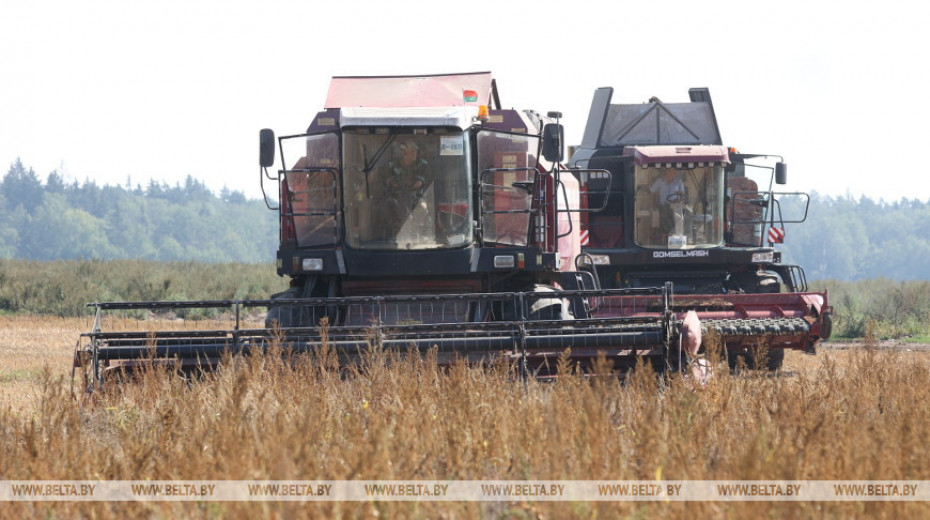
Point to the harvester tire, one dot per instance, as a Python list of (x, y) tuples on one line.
[(768, 285), (774, 359), (758, 283), (539, 308), (289, 315), (279, 315), (546, 308)]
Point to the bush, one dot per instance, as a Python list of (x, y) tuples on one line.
[(895, 309), (65, 287)]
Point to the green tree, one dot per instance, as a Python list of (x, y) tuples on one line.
[(54, 183), (22, 187), (9, 237), (59, 231)]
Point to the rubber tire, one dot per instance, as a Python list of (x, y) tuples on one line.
[(282, 316), (768, 285), (754, 282), (774, 361)]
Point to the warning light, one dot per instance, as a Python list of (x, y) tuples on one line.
[(483, 113)]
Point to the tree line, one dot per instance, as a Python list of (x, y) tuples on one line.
[(55, 220), (848, 238), (844, 238)]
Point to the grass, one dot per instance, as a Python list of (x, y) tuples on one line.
[(7, 376), (890, 309), (63, 288), (845, 414)]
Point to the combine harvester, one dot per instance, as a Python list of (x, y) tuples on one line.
[(417, 213), (678, 207)]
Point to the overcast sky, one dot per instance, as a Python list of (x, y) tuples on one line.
[(117, 90)]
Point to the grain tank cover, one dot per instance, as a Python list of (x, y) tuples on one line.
[(652, 123), (444, 90)]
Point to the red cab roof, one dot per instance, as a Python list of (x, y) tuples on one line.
[(441, 90)]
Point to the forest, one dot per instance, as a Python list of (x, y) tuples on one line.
[(54, 220), (844, 238), (847, 238)]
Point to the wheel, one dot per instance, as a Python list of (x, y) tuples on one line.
[(288, 315), (543, 308), (774, 358), (768, 284), (755, 282), (283, 315)]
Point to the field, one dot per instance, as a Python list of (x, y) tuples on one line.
[(846, 414)]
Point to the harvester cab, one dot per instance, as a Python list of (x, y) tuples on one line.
[(415, 213), (420, 185), (681, 207)]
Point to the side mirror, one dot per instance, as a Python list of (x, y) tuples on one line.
[(553, 137), (266, 144), (781, 173)]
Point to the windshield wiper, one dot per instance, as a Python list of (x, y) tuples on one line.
[(378, 153), (374, 160)]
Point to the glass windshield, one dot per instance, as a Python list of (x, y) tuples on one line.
[(310, 190), (507, 163), (748, 189), (407, 188), (679, 208)]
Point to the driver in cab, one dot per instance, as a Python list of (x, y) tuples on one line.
[(670, 191), (406, 174)]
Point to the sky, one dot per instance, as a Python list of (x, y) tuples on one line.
[(121, 92)]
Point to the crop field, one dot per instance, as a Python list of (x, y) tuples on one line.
[(857, 413)]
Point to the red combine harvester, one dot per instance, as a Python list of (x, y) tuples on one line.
[(417, 213), (678, 207)]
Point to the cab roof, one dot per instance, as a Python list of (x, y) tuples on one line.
[(439, 90), (664, 154)]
